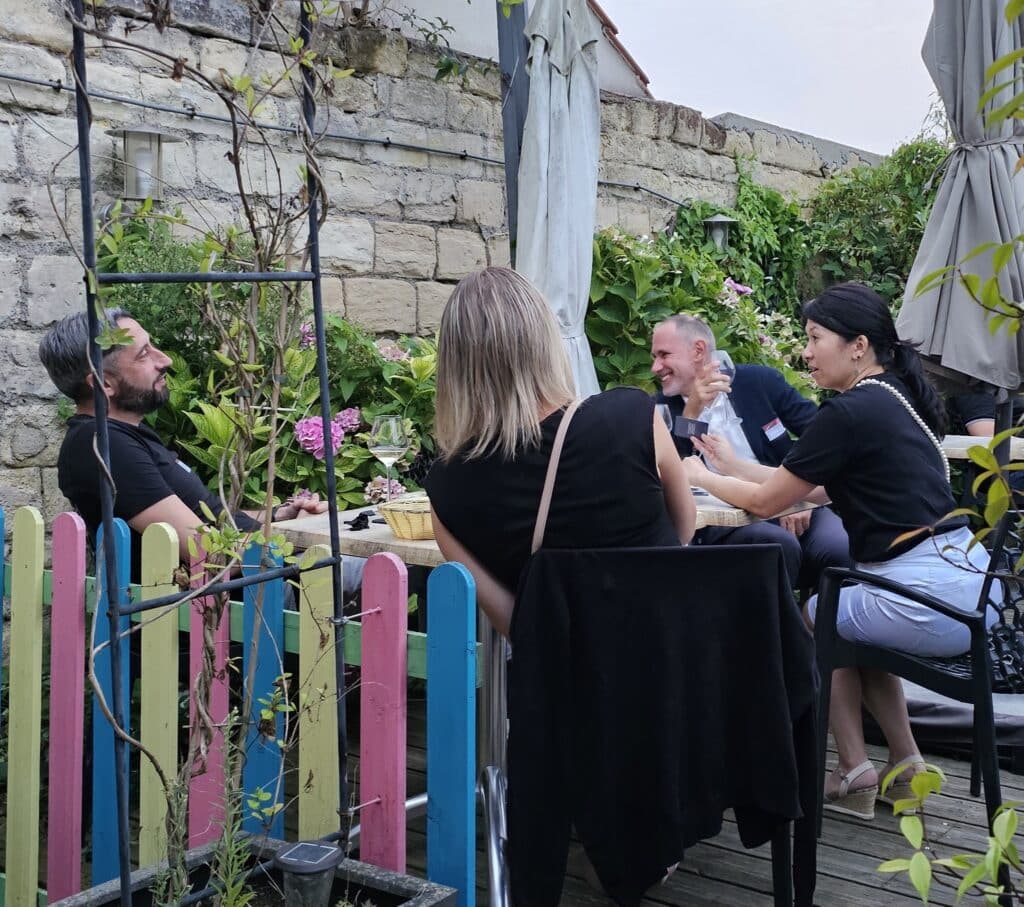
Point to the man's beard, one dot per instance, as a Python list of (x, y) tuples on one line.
[(140, 400)]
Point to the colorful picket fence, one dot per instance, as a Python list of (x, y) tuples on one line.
[(380, 642)]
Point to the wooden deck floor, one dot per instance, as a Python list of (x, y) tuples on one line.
[(722, 872)]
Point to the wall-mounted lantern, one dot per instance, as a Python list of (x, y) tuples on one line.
[(143, 153), (717, 229)]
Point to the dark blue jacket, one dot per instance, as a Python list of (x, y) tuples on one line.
[(760, 395)]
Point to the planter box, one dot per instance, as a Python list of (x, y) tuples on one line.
[(352, 879)]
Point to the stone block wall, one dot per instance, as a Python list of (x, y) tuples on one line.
[(404, 223)]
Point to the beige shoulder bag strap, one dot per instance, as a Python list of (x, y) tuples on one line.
[(549, 479)]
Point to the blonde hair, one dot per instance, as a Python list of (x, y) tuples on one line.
[(500, 364)]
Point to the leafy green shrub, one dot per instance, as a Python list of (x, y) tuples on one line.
[(354, 364), (631, 290), (768, 246), (867, 223), (205, 408), (365, 377), (637, 283)]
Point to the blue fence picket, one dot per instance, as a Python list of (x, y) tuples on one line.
[(263, 755), (104, 799), (451, 730)]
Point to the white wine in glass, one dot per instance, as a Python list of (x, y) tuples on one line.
[(388, 443)]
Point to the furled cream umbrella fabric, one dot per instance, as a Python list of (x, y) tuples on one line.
[(558, 170), (981, 198)]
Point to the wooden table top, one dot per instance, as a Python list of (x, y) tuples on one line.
[(306, 532), (712, 511), (313, 530), (956, 446)]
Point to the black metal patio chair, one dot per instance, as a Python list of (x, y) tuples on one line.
[(967, 678)]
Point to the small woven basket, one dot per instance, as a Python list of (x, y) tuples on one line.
[(409, 517)]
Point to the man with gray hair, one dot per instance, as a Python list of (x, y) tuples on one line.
[(151, 484), (757, 411)]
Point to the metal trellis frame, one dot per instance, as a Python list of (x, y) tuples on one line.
[(106, 559)]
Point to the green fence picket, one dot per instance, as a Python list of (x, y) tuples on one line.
[(159, 709), (25, 710)]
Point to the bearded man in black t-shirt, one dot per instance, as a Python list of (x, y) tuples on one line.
[(151, 484)]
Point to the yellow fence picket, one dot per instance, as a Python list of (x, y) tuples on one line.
[(25, 711), (318, 724), (159, 689)]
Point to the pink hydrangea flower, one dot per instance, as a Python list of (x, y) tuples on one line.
[(738, 288), (390, 350), (376, 491), (349, 419), (310, 435)]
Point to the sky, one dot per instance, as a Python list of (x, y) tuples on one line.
[(846, 70)]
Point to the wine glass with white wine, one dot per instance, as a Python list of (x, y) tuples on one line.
[(388, 443)]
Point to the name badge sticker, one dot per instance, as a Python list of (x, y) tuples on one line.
[(774, 429)]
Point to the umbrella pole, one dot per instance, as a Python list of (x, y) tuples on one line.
[(513, 49)]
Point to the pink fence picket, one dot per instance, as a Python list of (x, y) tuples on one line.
[(206, 790), (67, 713), (383, 712)]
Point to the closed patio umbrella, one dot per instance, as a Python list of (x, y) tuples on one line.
[(558, 170), (980, 199)]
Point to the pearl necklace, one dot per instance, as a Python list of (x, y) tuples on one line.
[(917, 418)]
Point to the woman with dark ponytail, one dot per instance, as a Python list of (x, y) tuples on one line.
[(875, 449)]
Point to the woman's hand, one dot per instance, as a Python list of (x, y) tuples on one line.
[(718, 452), (696, 471)]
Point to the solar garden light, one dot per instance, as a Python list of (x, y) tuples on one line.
[(717, 229), (143, 154), (308, 869)]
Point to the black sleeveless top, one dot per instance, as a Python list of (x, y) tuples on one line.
[(607, 493)]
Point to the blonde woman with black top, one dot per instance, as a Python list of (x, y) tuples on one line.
[(503, 384), (875, 449)]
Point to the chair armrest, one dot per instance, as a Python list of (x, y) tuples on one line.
[(835, 577)]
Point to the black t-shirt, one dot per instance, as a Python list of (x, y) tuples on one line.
[(880, 469), (964, 409), (967, 408), (607, 494), (144, 472)]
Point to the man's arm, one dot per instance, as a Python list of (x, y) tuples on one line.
[(981, 428), (795, 410), (977, 412), (301, 505), (174, 511)]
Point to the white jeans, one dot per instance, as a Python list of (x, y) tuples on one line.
[(940, 566)]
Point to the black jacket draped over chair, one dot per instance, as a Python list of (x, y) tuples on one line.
[(649, 691)]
